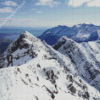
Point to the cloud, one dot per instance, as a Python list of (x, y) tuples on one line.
[(76, 3), (6, 10), (90, 3), (95, 3), (49, 3), (10, 3)]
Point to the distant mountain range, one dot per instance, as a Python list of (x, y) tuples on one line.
[(79, 33)]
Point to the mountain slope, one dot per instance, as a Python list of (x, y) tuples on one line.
[(79, 33), (84, 56), (44, 76)]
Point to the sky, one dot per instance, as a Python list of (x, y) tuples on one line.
[(48, 13)]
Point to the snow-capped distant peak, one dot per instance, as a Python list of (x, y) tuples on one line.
[(77, 26), (79, 33)]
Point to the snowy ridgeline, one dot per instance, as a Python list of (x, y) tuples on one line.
[(84, 56), (41, 73)]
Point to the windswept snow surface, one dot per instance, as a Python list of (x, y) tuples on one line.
[(49, 75)]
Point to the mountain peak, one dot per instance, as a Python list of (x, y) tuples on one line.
[(24, 41), (62, 41), (63, 38), (26, 33), (61, 26)]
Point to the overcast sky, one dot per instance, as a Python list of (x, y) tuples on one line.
[(49, 13)]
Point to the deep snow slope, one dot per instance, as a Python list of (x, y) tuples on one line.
[(79, 33), (84, 56), (46, 75)]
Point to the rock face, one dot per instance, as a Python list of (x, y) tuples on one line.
[(79, 33), (84, 56), (41, 73)]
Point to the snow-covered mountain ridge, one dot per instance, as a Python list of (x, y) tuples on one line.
[(79, 33), (41, 73), (84, 56)]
